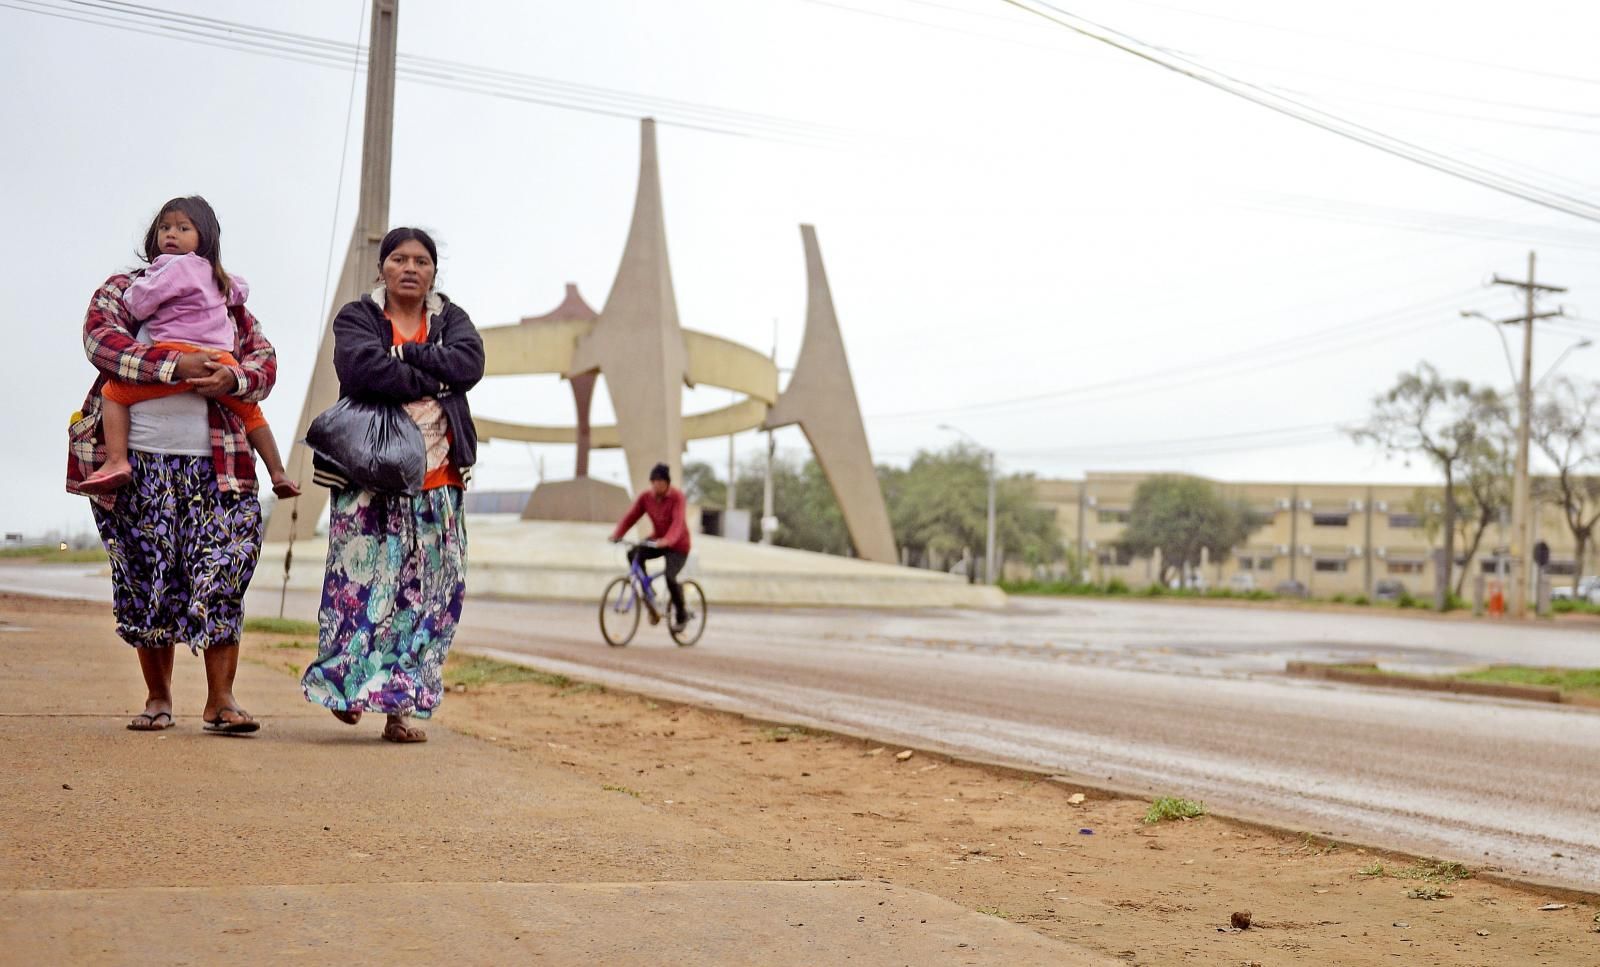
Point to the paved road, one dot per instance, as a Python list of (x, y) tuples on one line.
[(1160, 697)]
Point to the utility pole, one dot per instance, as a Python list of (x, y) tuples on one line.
[(298, 517), (1083, 509), (1366, 547), (1521, 486), (731, 501), (988, 550), (1294, 531), (766, 493), (768, 524)]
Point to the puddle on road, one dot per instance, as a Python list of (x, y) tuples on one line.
[(1210, 659)]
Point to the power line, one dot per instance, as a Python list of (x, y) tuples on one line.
[(435, 72), (1297, 347), (587, 90), (1326, 121), (1410, 51), (1468, 226)]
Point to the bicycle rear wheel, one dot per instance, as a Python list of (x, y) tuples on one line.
[(695, 600), (619, 612)]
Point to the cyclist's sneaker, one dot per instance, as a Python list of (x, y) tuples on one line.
[(681, 622)]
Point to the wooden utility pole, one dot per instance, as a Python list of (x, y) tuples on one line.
[(1521, 486), (298, 517)]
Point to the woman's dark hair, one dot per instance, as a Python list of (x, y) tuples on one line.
[(392, 241), (204, 219), (661, 472)]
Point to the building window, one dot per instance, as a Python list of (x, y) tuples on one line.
[(1561, 568), (1405, 521), (1333, 565), (1246, 563), (1490, 565), (1340, 519), (1264, 563), (1113, 516), (1405, 567)]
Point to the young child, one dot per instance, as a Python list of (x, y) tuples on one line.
[(183, 301)]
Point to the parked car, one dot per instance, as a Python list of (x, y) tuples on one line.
[(1242, 583), (1388, 590), (1290, 589), (1587, 590)]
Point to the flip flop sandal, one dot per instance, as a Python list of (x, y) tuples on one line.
[(397, 732), (97, 483), (152, 723), (346, 716), (221, 726)]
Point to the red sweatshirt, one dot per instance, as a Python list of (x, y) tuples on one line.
[(666, 516)]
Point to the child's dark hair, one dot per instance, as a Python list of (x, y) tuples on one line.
[(200, 214), (392, 241)]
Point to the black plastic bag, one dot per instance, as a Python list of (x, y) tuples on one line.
[(376, 446)]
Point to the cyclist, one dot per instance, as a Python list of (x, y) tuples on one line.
[(670, 538)]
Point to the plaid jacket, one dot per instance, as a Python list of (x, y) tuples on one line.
[(108, 340)]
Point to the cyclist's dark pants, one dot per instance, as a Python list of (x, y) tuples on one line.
[(675, 562)]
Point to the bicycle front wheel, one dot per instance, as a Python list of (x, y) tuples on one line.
[(694, 600), (619, 613)]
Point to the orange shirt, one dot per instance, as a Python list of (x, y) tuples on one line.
[(445, 474)]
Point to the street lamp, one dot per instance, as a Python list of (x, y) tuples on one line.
[(1516, 381), (1580, 344), (988, 531)]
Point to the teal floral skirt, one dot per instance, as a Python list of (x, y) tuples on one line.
[(390, 601)]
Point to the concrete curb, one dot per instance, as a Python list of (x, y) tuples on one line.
[(1367, 673)]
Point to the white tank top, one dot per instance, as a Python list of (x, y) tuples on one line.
[(179, 425)]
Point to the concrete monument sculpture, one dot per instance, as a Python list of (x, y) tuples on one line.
[(647, 359)]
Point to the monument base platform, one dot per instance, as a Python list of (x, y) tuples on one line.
[(584, 499), (559, 560)]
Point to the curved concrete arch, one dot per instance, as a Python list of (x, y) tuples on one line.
[(737, 418), (715, 361), (551, 347)]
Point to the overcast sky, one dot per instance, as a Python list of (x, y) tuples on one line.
[(1166, 276)]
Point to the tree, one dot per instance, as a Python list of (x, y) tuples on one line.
[(1564, 428), (1483, 498), (1446, 422), (701, 486), (808, 514), (939, 506), (1180, 516)]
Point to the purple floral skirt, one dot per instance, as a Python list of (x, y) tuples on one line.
[(182, 553)]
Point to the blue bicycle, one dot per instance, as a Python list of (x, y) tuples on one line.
[(631, 594)]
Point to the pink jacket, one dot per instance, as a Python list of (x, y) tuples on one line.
[(178, 300)]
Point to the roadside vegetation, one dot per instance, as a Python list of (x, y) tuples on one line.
[(50, 554), (1431, 871), (1171, 807), (1571, 681), (1574, 683), (281, 626), (1117, 588)]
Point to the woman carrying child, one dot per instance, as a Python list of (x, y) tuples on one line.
[(183, 530)]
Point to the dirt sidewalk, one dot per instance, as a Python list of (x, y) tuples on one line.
[(543, 781)]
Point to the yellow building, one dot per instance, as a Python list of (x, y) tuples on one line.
[(1332, 538)]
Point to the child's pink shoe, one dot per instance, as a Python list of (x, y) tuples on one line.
[(105, 482)]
